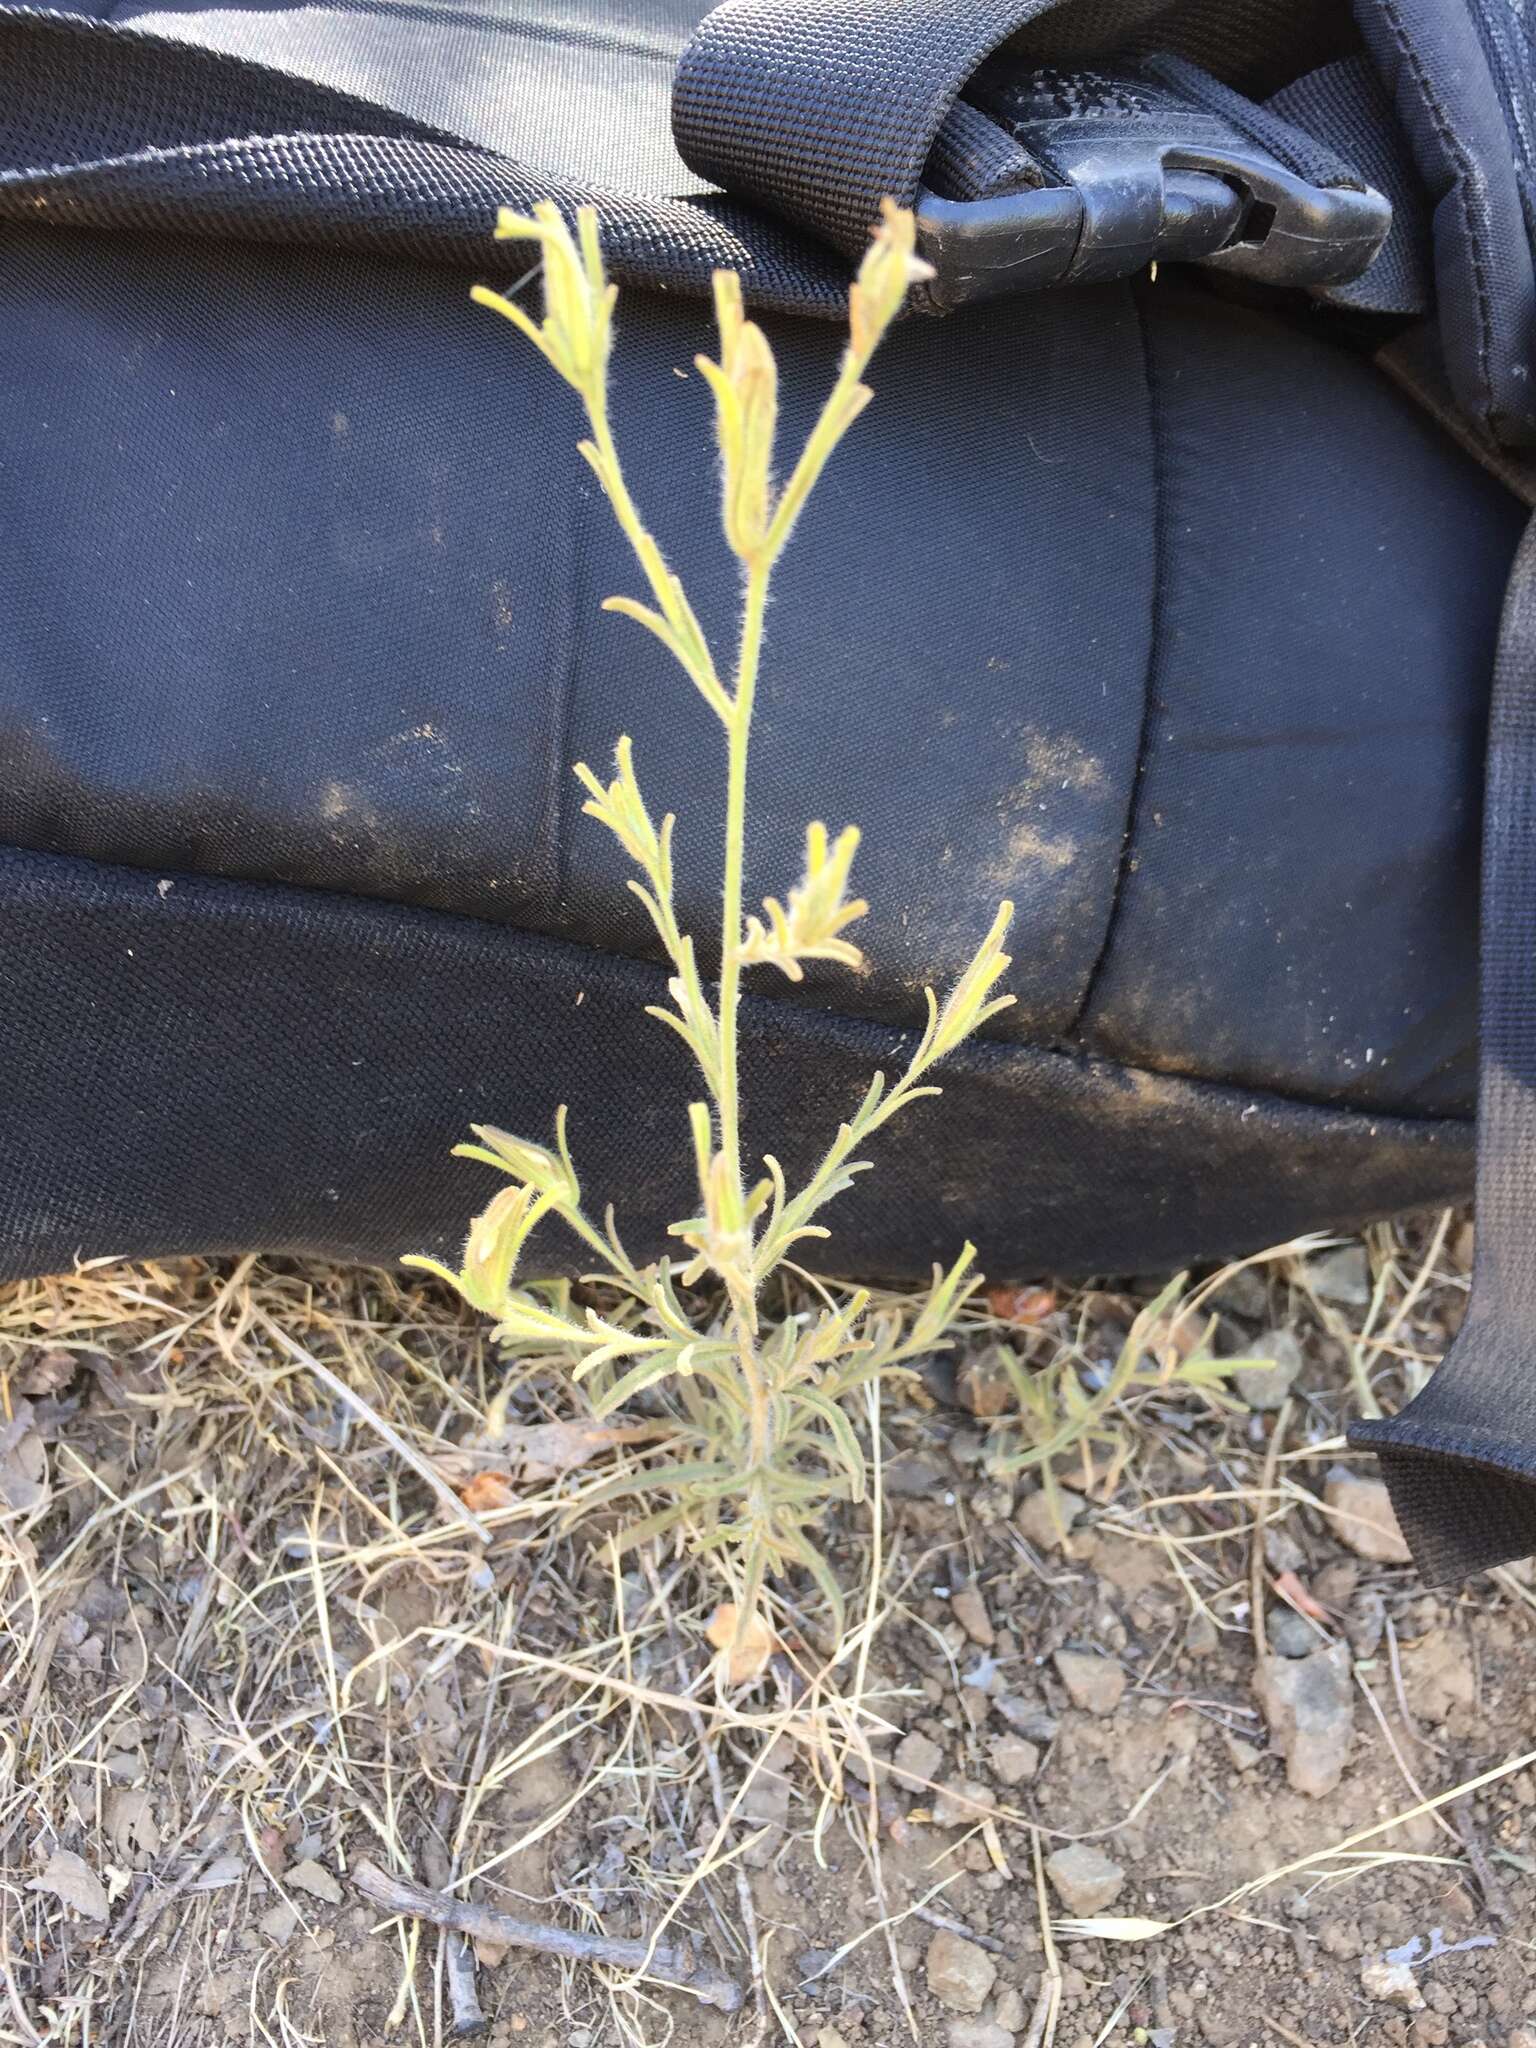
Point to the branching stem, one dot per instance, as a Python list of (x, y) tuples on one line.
[(766, 1403)]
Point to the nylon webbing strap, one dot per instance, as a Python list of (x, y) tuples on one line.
[(108, 126), (1346, 102), (820, 109), (1461, 1459)]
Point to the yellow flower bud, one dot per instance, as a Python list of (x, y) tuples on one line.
[(890, 267), (745, 383)]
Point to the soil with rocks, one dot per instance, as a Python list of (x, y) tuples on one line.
[(1098, 1695)]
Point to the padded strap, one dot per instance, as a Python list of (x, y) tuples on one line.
[(1460, 1460), (1462, 81), (109, 126)]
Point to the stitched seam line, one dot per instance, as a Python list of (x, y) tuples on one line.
[(1466, 170), (1154, 654)]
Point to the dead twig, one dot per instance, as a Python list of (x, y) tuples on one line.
[(744, 1901), (669, 1963), (1042, 2025), (150, 1904), (450, 1501), (458, 1956), (1495, 1898), (942, 1920), (1285, 2033), (1404, 1710), (1256, 1561)]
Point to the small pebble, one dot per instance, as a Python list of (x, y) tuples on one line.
[(916, 1758), (1026, 1717), (1342, 1276), (1039, 1526), (1009, 2009), (960, 1975), (1291, 1634), (1362, 1517), (1014, 1761), (279, 1922), (1266, 1386), (1202, 1637), (960, 1805), (1309, 1703), (312, 1877), (970, 1610), (1095, 1683), (911, 1477), (1083, 1877)]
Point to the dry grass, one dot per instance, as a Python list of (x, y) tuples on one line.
[(294, 1571)]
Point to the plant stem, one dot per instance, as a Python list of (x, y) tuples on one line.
[(630, 524), (735, 846), (743, 1293)]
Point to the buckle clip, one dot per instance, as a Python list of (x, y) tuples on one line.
[(1126, 202)]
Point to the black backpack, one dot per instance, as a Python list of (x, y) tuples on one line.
[(1159, 590)]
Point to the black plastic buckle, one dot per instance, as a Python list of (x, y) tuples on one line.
[(1126, 203)]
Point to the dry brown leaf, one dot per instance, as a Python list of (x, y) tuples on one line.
[(543, 1450), (313, 1877), (23, 1463), (1175, 1338), (131, 1823), (45, 1372), (742, 1659), (1021, 1304), (486, 1491), (1291, 1590), (70, 1878), (528, 1454)]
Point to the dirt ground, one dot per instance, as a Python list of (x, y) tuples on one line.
[(249, 1645)]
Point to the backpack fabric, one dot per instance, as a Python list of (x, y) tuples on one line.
[(1148, 601)]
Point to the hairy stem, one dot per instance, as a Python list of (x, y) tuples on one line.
[(735, 852), (744, 1305)]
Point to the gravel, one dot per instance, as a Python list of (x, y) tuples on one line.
[(1309, 1704), (1092, 1682), (916, 1759), (1035, 1521), (1266, 1386), (1290, 1634), (1084, 1878), (1026, 1717), (1363, 1518), (1342, 1276), (962, 1805), (1014, 1761), (960, 1975), (970, 1610)]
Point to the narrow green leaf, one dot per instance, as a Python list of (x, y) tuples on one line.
[(849, 1454)]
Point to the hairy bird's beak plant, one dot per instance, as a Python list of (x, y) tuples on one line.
[(763, 1407)]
